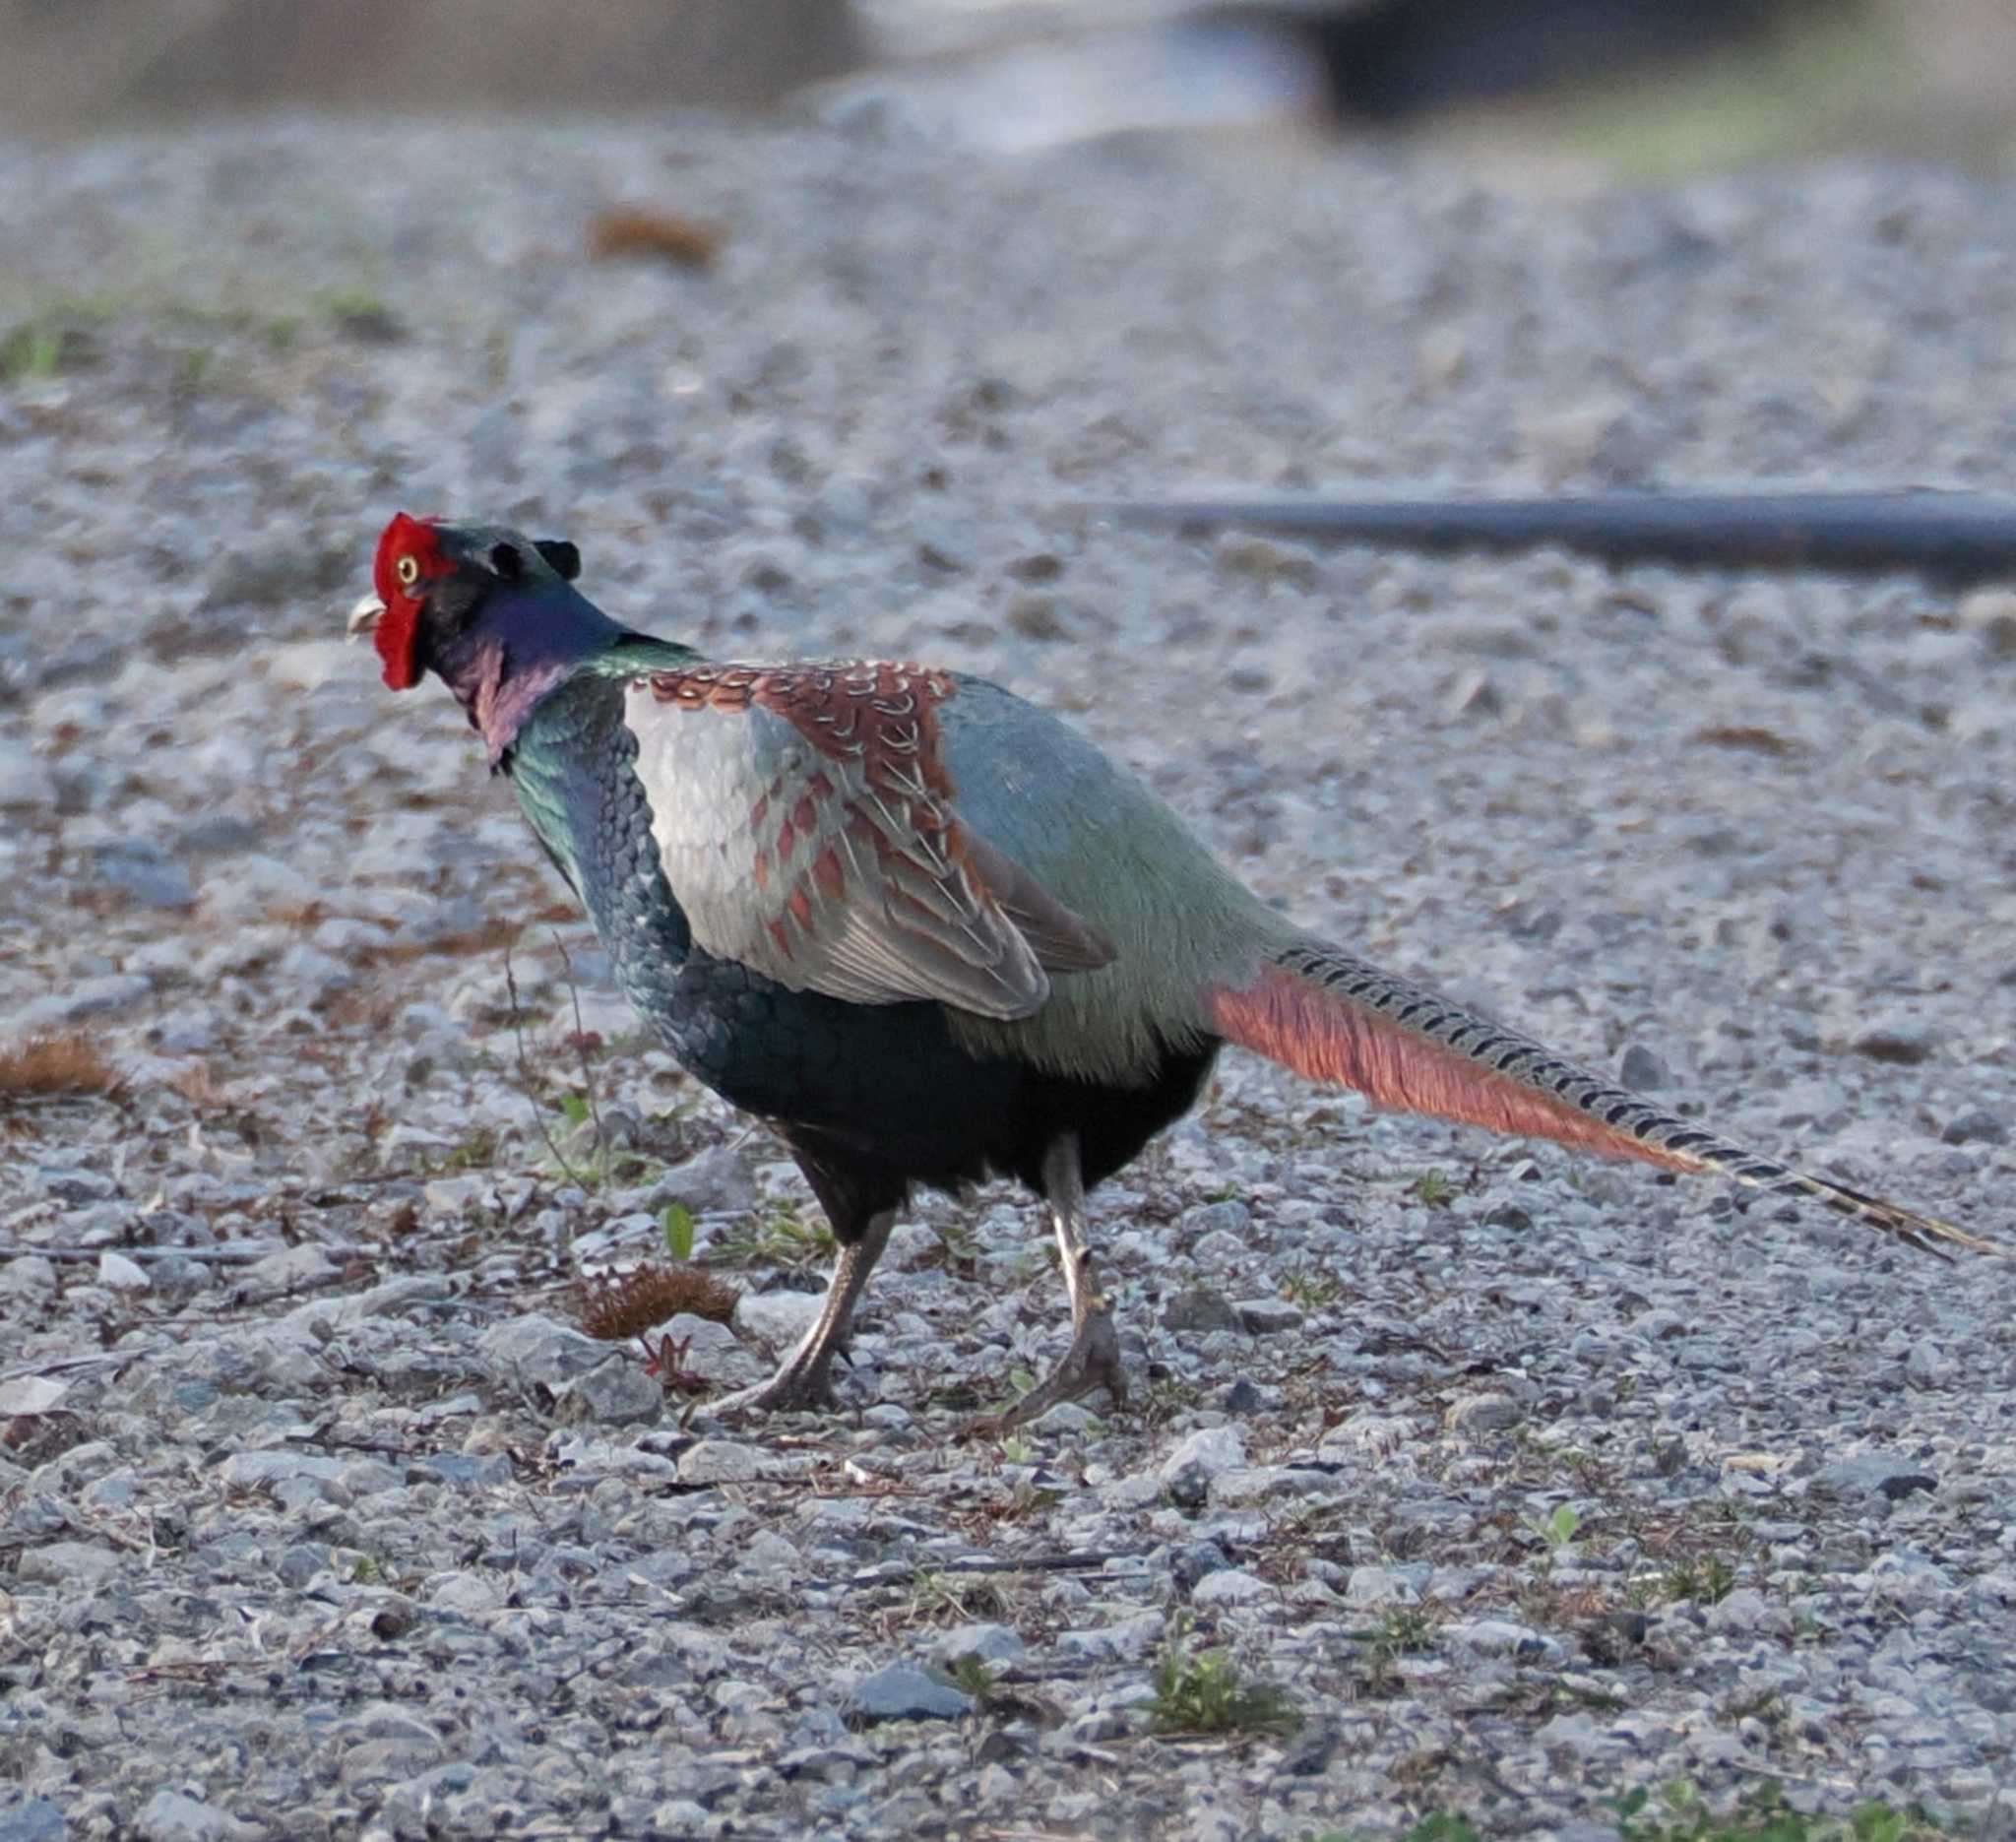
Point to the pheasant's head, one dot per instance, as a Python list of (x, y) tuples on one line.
[(433, 582), (494, 614)]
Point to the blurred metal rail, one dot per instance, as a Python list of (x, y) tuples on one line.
[(1958, 538)]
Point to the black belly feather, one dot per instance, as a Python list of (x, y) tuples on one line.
[(875, 1098)]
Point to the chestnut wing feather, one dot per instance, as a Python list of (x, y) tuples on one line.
[(810, 834)]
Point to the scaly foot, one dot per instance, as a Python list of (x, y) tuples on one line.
[(1092, 1363), (793, 1388)]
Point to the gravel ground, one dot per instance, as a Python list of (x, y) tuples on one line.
[(1528, 1482)]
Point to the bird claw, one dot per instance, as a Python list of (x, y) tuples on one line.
[(1093, 1361), (789, 1390)]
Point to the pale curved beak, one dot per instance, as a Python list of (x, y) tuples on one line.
[(364, 616)]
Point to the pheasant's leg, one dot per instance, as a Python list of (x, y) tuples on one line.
[(804, 1378), (1093, 1359)]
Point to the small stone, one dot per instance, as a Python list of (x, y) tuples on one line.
[(465, 1593), (173, 1816), (771, 1555), (1909, 1580), (394, 1298), (25, 776), (1747, 1612), (1642, 1071), (85, 1565), (712, 1182), (463, 1471), (912, 1245), (1230, 1217), (1199, 1309), (615, 1393), (1930, 1367), (218, 835), (1474, 695), (177, 1272), (1186, 1473), (1190, 1561), (1037, 616), (1487, 1412), (1245, 1396), (1907, 1048), (103, 997), (27, 1274), (1501, 1637), (74, 1187), (1267, 559), (998, 1785), (905, 1693), (1309, 1752), (35, 1821), (30, 1394), (122, 1273), (711, 1350), (1379, 1586), (1209, 1820), (1268, 1317), (1246, 1484), (537, 1349), (309, 664), (720, 1461), (1992, 613), (1975, 1129), (1231, 1586), (140, 868), (777, 1319), (289, 1269), (452, 1196), (266, 1470), (1126, 1640), (1873, 1474), (988, 1643), (1139, 1491), (1219, 1251)]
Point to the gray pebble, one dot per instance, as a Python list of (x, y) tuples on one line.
[(1267, 1317), (25, 778), (720, 1461), (142, 869), (1485, 1412), (173, 1816), (616, 1392), (991, 1643), (1186, 1473), (902, 1691), (1199, 1309), (86, 1564), (537, 1349)]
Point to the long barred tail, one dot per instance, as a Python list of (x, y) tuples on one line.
[(1332, 1017)]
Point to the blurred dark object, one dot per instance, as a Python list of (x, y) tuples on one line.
[(1956, 538), (1387, 59), (75, 65), (632, 231)]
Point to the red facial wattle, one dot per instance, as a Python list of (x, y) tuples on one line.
[(401, 585)]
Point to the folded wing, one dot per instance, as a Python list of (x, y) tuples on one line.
[(807, 824)]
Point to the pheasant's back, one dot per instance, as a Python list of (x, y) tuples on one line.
[(1109, 849)]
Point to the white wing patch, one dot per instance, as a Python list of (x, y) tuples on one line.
[(807, 830)]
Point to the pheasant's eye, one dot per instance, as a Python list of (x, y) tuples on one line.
[(408, 571)]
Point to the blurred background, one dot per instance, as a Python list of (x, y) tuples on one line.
[(1541, 89)]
